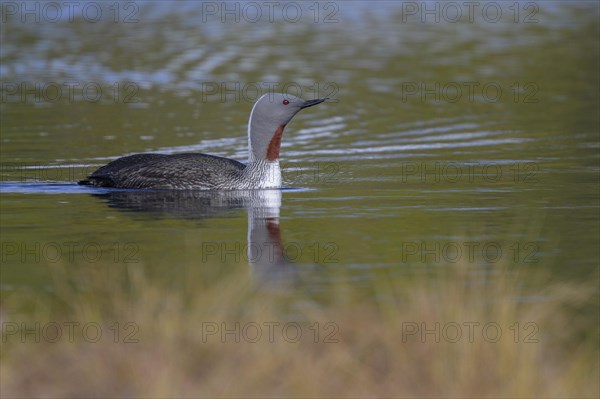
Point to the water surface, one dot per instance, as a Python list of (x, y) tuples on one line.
[(443, 143)]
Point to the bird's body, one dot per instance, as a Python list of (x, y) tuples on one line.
[(190, 171), (193, 171)]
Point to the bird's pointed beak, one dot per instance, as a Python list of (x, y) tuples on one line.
[(310, 103)]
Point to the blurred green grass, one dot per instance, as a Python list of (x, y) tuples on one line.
[(369, 348)]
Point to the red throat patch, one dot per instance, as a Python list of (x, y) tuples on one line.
[(275, 144)]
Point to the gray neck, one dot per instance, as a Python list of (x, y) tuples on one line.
[(260, 133)]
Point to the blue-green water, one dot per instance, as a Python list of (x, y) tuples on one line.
[(470, 140)]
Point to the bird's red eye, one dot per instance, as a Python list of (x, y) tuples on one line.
[(285, 102)]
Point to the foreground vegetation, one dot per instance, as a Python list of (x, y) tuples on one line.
[(496, 338)]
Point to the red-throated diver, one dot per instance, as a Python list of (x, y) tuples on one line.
[(192, 171)]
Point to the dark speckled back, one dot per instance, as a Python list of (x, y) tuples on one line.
[(159, 171)]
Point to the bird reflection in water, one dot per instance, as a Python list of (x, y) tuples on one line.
[(266, 253)]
